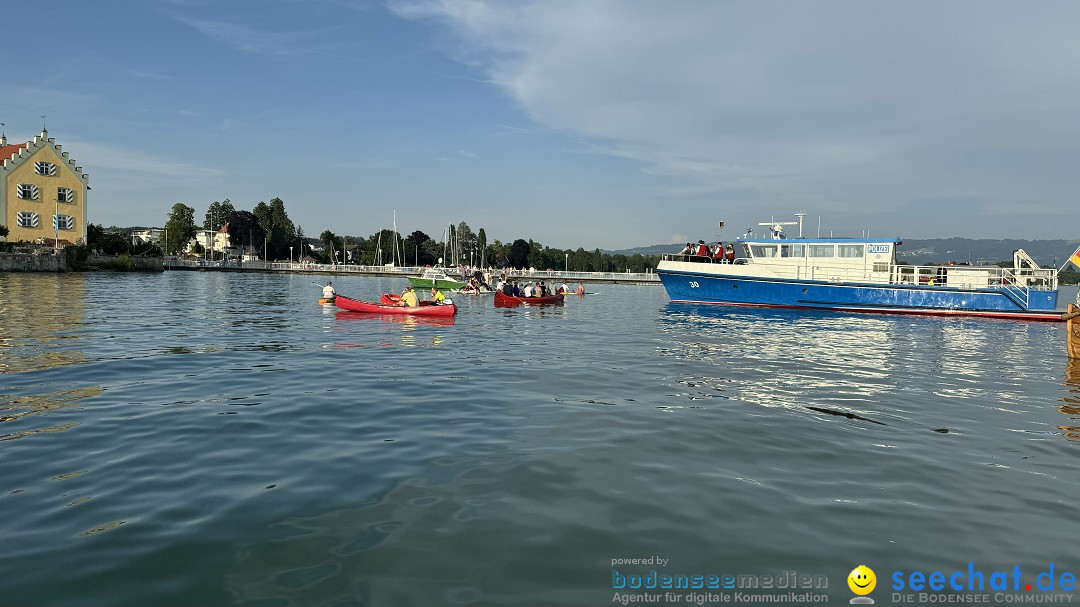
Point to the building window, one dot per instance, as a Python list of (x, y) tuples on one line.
[(64, 222), (28, 191), (65, 195), (45, 168), (26, 219), (821, 250)]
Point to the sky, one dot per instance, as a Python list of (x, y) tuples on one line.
[(578, 123)]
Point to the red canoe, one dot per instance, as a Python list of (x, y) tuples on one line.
[(362, 306), (509, 300)]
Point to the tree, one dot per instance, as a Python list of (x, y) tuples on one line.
[(217, 215), (333, 246), (481, 246), (418, 250), (379, 247), (466, 242), (245, 231), (179, 228), (4, 232), (264, 216), (519, 254), (111, 241), (282, 230)]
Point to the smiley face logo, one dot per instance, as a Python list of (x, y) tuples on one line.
[(862, 580)]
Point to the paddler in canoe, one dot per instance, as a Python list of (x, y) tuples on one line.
[(436, 296), (408, 298), (328, 293)]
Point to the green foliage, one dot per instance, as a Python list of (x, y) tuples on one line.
[(378, 249), (123, 263), (519, 254), (282, 232), (333, 246), (4, 231), (1069, 276), (420, 249), (179, 228), (245, 231), (76, 256), (109, 242), (217, 215)]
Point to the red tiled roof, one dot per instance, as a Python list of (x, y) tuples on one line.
[(7, 150)]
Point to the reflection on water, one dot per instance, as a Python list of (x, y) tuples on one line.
[(39, 317), (248, 447), (1070, 403), (856, 366), (794, 356), (408, 320)]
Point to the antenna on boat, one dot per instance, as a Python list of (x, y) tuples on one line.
[(800, 215)]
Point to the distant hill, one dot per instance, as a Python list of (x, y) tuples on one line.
[(941, 250)]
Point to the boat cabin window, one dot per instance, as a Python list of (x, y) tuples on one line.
[(792, 250), (763, 250), (821, 250), (850, 250)]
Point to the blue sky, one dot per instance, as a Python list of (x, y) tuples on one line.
[(609, 123)]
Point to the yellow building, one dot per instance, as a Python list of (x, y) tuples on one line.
[(42, 192)]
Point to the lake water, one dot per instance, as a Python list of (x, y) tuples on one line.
[(219, 439)]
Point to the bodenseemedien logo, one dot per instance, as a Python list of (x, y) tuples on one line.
[(862, 580)]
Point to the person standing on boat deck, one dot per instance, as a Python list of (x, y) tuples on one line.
[(437, 296), (408, 298), (702, 249), (718, 252), (730, 254), (328, 291), (687, 250)]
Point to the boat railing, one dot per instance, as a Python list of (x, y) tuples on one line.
[(692, 258)]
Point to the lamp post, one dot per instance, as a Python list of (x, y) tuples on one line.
[(290, 254), (566, 267)]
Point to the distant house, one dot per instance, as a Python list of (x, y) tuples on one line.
[(210, 240), (42, 192), (148, 235)]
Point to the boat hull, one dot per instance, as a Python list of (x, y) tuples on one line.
[(710, 288), (440, 283), (355, 305), (509, 300)]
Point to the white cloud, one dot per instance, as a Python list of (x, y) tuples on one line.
[(259, 42), (861, 108), (121, 169)]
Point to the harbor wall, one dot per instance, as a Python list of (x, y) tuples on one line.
[(47, 261), (32, 262)]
